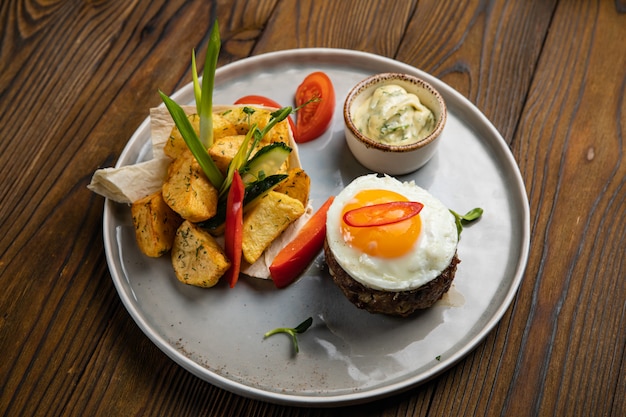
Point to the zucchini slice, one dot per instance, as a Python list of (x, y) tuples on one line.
[(266, 162)]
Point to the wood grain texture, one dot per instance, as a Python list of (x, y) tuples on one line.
[(571, 150), (367, 25), (78, 77), (488, 51)]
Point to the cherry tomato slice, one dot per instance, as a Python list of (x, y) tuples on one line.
[(233, 233), (382, 214), (253, 99), (314, 118)]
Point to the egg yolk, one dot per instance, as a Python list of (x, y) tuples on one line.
[(387, 241)]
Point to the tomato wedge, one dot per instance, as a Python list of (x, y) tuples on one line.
[(253, 99), (298, 254), (233, 233), (314, 118), (382, 214)]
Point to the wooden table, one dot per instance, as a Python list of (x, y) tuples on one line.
[(78, 77)]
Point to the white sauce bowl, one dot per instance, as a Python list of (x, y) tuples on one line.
[(393, 159)]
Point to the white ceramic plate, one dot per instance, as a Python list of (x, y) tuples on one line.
[(348, 355)]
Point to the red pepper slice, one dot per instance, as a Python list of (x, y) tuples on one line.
[(314, 118), (253, 99), (233, 233), (298, 254), (382, 214)]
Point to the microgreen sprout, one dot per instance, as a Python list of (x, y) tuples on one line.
[(470, 216), (293, 332), (275, 117), (313, 99), (237, 162)]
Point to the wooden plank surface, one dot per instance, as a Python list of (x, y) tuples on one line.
[(571, 137), (77, 78)]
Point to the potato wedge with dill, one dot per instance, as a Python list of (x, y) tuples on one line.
[(155, 224), (188, 191), (267, 220), (197, 258)]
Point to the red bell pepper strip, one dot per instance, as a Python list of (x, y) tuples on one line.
[(233, 233), (298, 254), (382, 214), (267, 102)]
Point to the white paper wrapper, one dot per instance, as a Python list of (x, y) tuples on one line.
[(131, 182)]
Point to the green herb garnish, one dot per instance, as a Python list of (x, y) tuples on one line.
[(245, 150), (197, 91), (238, 161), (199, 143), (470, 216), (293, 332), (275, 117), (205, 106)]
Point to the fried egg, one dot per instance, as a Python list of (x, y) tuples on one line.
[(399, 256)]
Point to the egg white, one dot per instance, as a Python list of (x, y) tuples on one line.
[(429, 256)]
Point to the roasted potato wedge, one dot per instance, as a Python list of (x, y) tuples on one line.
[(261, 116), (297, 185), (224, 150), (155, 224), (188, 191), (196, 256), (222, 127), (176, 145), (266, 220)]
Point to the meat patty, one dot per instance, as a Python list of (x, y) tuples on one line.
[(395, 303)]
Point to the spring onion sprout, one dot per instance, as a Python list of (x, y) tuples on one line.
[(193, 142), (205, 108), (197, 91), (203, 94)]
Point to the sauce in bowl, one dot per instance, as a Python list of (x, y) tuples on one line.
[(393, 122), (393, 116)]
